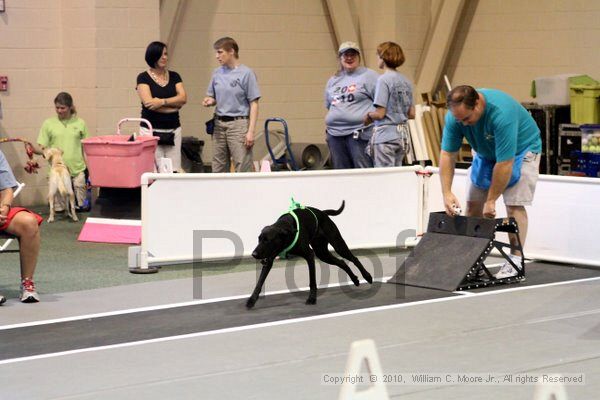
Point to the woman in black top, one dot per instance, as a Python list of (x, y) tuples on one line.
[(162, 95)]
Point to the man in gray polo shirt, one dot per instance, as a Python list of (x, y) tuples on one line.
[(234, 91)]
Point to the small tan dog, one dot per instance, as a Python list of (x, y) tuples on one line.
[(59, 182)]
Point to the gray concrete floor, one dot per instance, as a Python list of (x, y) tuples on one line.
[(148, 294), (515, 329)]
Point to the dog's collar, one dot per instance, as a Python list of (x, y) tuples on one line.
[(294, 206), (283, 254)]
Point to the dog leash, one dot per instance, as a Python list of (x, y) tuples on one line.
[(295, 206), (32, 165)]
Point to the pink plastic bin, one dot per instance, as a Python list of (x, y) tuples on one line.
[(112, 161)]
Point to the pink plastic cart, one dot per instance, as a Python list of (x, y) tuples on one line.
[(115, 161)]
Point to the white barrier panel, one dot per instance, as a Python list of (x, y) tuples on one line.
[(380, 204), (564, 219)]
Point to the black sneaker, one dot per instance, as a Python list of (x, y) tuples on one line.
[(478, 276), (2, 299)]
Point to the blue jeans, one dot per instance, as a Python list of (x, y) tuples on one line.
[(347, 152)]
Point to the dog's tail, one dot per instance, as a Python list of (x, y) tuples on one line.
[(336, 212), (62, 189)]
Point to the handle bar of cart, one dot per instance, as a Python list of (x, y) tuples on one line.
[(292, 161)]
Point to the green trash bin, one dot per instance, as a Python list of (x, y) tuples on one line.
[(585, 100)]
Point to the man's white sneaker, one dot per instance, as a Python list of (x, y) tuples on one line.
[(507, 271)]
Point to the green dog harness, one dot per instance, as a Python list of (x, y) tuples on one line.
[(295, 206)]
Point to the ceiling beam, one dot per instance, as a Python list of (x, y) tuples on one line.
[(439, 40), (343, 24), (170, 13)]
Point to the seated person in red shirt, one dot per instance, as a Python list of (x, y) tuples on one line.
[(23, 224)]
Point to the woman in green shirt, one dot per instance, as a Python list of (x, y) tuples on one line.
[(65, 131)]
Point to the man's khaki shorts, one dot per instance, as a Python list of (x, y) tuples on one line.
[(521, 193)]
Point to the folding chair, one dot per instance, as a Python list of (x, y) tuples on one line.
[(8, 238)]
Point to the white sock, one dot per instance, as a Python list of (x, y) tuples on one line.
[(516, 259)]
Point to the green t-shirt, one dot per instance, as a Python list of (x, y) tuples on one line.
[(66, 135)]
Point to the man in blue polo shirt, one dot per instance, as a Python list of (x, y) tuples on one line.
[(507, 143)]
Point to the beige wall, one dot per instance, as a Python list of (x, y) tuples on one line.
[(95, 49), (510, 42), (292, 48), (90, 48), (403, 21), (286, 42)]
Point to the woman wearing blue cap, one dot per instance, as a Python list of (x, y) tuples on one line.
[(349, 96)]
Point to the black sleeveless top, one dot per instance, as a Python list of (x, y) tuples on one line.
[(161, 120)]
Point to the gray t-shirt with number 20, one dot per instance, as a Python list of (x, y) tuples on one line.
[(349, 97)]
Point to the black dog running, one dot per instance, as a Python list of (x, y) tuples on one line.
[(305, 232)]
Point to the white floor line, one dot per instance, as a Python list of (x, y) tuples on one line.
[(173, 305), (290, 321), (565, 316), (193, 303), (464, 293)]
